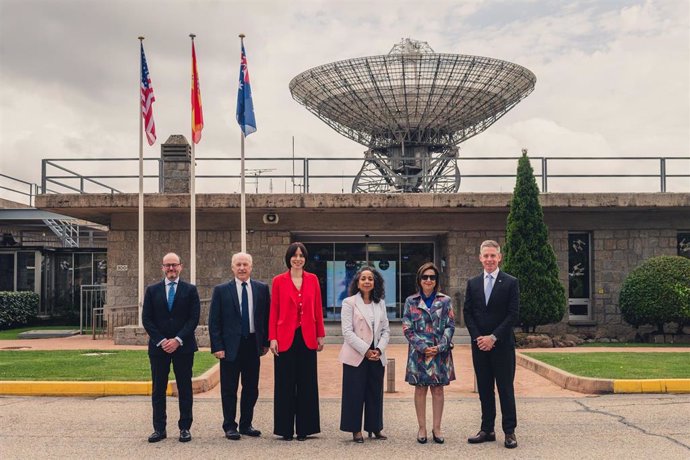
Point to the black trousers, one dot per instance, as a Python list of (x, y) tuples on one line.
[(296, 390), (496, 366), (160, 369), (246, 365), (362, 391)]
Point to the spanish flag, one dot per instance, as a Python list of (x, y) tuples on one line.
[(197, 114)]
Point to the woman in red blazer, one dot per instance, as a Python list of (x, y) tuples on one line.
[(296, 333)]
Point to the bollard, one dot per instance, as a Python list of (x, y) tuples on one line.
[(390, 375)]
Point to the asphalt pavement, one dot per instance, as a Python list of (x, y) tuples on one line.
[(588, 427)]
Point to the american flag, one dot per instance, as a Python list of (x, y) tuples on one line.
[(147, 99)]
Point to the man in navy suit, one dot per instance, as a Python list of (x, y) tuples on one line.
[(170, 315), (238, 328), (492, 307)]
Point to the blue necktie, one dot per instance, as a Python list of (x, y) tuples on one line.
[(489, 287), (171, 296), (245, 311)]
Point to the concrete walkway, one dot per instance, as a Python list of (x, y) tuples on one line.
[(533, 378)]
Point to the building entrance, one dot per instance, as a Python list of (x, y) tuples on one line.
[(335, 263)]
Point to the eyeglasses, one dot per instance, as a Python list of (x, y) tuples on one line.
[(171, 265), (428, 277)]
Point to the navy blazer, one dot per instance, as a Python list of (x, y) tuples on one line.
[(180, 322), (225, 318), (500, 315)]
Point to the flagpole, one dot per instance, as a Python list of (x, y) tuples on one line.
[(192, 200), (243, 204), (140, 234)]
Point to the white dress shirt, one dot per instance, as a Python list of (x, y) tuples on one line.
[(250, 297)]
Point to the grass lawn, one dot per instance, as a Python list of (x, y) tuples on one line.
[(620, 365), (632, 344), (13, 334), (86, 365)]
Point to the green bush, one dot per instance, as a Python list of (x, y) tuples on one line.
[(17, 308), (657, 292)]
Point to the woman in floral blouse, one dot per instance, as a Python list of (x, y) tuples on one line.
[(428, 325)]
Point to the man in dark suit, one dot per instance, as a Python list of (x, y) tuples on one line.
[(492, 306), (238, 327), (170, 315)]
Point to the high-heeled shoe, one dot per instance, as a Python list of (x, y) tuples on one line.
[(421, 440), (357, 437), (378, 435), (437, 440)]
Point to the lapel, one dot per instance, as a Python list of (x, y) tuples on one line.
[(255, 297), (162, 298), (361, 306), (422, 305), (234, 299)]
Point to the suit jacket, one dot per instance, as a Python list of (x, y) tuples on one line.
[(180, 322), (225, 318), (285, 301), (357, 330), (500, 315)]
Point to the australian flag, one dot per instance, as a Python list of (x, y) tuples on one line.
[(245, 106)]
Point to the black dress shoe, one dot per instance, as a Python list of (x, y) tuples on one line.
[(232, 434), (481, 437), (301, 437), (421, 440), (185, 436), (437, 439), (287, 438), (511, 441), (357, 437), (157, 436), (251, 431), (378, 435)]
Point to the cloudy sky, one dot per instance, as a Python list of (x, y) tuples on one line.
[(613, 77)]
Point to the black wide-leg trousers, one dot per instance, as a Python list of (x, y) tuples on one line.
[(362, 392), (296, 390)]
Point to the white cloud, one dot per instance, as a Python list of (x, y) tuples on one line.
[(613, 77)]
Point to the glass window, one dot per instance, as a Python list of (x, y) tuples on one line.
[(26, 271), (579, 275), (684, 244), (385, 257), (100, 268), (336, 264), (320, 255), (412, 256), (6, 272)]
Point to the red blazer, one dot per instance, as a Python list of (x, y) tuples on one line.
[(282, 320)]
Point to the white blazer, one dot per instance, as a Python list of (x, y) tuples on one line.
[(357, 330)]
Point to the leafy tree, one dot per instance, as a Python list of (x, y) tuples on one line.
[(657, 292), (528, 255)]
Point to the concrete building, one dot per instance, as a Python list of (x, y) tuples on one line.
[(598, 239)]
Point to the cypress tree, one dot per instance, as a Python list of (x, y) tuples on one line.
[(529, 257)]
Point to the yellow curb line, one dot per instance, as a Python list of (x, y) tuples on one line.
[(590, 385), (652, 386), (200, 384)]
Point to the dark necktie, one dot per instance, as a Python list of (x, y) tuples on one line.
[(171, 296), (245, 311)]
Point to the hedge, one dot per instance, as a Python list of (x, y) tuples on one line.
[(17, 308), (657, 292)]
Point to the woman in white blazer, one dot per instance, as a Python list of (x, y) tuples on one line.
[(366, 333)]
